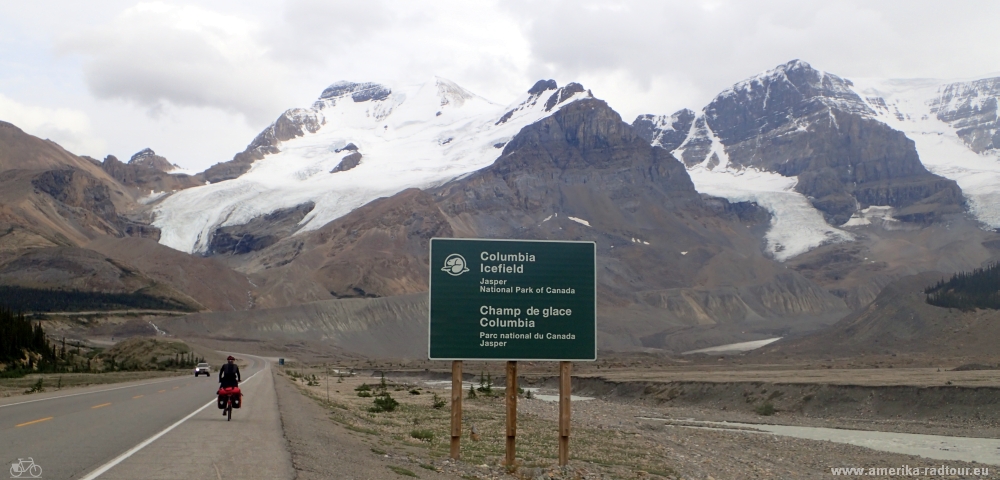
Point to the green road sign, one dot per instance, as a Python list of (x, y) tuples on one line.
[(512, 300)]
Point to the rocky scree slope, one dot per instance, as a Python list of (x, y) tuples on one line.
[(67, 223), (147, 174), (900, 321)]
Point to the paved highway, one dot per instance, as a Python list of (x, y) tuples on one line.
[(121, 431)]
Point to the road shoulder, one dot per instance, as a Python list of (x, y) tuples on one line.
[(251, 446), (322, 449)]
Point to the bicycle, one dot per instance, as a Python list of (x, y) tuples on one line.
[(22, 467), (229, 398)]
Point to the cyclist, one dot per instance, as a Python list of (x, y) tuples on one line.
[(229, 374)]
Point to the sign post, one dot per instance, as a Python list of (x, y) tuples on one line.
[(564, 398), (456, 407), (511, 300), (511, 397)]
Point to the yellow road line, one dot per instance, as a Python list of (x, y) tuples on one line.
[(175, 388), (138, 396), (101, 405), (34, 421), (161, 391)]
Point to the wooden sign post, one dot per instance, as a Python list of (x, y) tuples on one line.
[(456, 407), (565, 369), (511, 396), (511, 300)]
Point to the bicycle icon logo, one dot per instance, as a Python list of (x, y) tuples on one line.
[(25, 467)]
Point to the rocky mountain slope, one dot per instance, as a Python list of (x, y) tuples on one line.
[(66, 222), (789, 200), (797, 129), (856, 201), (50, 197), (900, 321), (578, 174), (954, 127), (805, 161), (149, 174)]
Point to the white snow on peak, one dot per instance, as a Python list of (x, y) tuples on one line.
[(717, 150), (409, 136), (910, 105), (580, 221), (829, 89)]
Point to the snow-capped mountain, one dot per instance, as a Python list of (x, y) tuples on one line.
[(804, 144), (358, 142), (956, 128)]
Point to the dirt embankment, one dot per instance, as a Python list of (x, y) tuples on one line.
[(940, 409)]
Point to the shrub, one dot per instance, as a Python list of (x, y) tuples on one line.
[(766, 409), (422, 434), (37, 387), (383, 403), (486, 385), (439, 402)]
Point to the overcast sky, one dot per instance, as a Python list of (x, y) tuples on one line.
[(196, 81)]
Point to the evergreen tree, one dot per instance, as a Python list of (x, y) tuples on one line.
[(968, 291)]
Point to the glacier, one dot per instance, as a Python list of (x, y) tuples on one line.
[(410, 136)]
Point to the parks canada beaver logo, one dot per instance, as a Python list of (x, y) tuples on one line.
[(455, 265)]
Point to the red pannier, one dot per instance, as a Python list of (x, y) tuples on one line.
[(227, 393)]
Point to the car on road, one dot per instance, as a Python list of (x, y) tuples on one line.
[(203, 368)]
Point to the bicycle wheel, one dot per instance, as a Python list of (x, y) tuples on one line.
[(35, 471), (229, 412)]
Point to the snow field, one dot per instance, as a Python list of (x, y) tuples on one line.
[(420, 136)]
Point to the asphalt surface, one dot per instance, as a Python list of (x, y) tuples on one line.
[(105, 432)]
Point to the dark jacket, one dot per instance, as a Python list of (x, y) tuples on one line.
[(229, 375)]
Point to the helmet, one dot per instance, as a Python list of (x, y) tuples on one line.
[(231, 358)]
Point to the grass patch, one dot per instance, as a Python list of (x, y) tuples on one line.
[(354, 428), (378, 452), (428, 467), (402, 471), (415, 425)]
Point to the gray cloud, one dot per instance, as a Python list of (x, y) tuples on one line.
[(182, 56), (178, 65), (704, 46), (315, 32)]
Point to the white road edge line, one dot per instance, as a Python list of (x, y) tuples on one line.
[(121, 458), (88, 393)]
